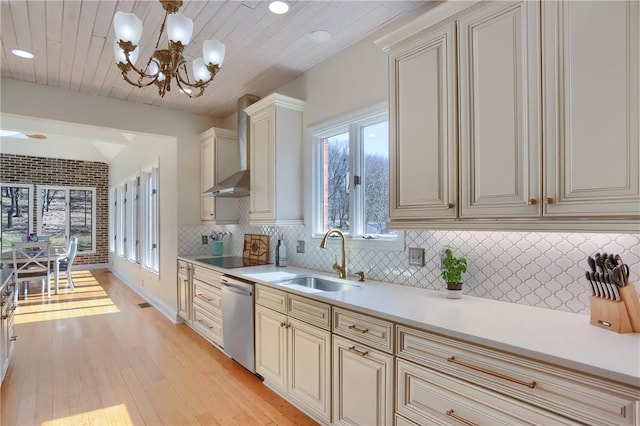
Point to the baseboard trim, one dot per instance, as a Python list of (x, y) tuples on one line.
[(164, 309)]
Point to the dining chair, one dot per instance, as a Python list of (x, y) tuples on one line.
[(32, 262), (64, 262)]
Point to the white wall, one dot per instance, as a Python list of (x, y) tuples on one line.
[(39, 101), (351, 80), (175, 142)]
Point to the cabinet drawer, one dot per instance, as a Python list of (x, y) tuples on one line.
[(207, 275), (209, 298), (370, 331), (577, 396), (183, 267), (429, 397), (208, 326), (271, 298), (401, 421), (309, 311)]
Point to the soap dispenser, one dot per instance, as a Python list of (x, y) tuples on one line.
[(281, 252)]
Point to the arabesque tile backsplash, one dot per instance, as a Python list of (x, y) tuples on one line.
[(544, 269)]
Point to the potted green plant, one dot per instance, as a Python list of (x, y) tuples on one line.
[(453, 268)]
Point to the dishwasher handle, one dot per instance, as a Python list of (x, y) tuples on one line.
[(237, 287)]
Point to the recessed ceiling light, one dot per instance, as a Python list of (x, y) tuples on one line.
[(320, 36), (22, 53), (279, 7)]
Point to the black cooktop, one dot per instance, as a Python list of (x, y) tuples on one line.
[(227, 262)]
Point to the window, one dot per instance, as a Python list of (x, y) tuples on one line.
[(149, 218), (113, 225), (67, 211), (17, 208), (134, 219), (351, 176)]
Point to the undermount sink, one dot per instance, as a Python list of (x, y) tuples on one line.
[(319, 283)]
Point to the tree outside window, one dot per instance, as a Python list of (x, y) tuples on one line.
[(353, 161)]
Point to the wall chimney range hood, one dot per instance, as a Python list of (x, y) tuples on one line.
[(237, 185)]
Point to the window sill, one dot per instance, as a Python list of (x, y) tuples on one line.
[(393, 244)]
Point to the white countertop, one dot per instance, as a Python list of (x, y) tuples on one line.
[(562, 338)]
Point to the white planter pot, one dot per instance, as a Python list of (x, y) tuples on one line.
[(453, 294)]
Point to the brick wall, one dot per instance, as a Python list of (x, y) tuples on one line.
[(56, 171)]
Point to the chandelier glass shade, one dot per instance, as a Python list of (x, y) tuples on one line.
[(165, 65)]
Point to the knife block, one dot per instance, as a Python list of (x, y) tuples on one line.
[(622, 316)]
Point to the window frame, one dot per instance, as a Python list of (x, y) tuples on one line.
[(67, 190), (31, 189), (316, 134), (150, 218)]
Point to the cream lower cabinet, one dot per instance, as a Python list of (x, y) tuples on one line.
[(7, 331), (362, 384), (184, 290), (207, 304), (362, 369), (293, 356), (442, 380), (427, 396), (591, 65)]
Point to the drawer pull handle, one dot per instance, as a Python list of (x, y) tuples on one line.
[(451, 413), (13, 338), (360, 330), (355, 351), (492, 373), (202, 296), (206, 324)]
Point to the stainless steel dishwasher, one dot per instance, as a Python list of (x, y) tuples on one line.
[(237, 320)]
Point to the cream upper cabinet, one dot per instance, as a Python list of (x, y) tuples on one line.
[(544, 124), (219, 158), (422, 122), (499, 110), (275, 158), (591, 89)]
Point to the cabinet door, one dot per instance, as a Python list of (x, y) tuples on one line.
[(500, 145), (591, 90), (184, 296), (262, 162), (309, 369), (362, 385), (207, 178), (271, 346), (422, 120)]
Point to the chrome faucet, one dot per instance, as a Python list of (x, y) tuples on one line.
[(342, 268)]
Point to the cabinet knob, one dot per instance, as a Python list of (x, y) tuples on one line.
[(533, 201), (450, 205), (550, 200)]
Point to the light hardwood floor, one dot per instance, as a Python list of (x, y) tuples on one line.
[(95, 357)]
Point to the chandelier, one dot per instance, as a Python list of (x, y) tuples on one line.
[(168, 64)]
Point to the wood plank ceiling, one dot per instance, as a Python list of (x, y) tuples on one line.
[(73, 43)]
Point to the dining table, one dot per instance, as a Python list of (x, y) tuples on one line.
[(6, 261)]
